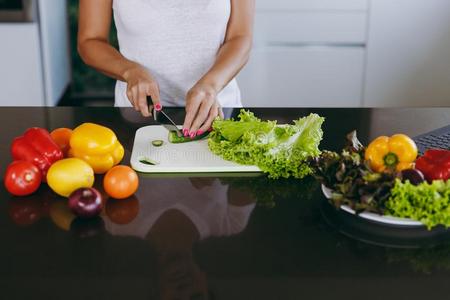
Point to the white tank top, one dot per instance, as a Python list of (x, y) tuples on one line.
[(207, 207), (177, 41)]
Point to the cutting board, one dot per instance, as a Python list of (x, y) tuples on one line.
[(192, 157)]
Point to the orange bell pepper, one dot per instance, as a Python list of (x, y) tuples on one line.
[(397, 152)]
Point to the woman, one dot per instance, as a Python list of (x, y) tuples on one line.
[(173, 52)]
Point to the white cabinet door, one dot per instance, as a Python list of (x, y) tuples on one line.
[(55, 48), (281, 76), (338, 5), (21, 82), (408, 53), (310, 27)]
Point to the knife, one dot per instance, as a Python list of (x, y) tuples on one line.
[(162, 118)]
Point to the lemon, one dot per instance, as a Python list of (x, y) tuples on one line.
[(67, 175)]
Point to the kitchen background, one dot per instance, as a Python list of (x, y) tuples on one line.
[(307, 53)]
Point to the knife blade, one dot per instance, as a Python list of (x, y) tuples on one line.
[(162, 118)]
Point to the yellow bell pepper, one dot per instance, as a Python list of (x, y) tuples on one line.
[(97, 145), (397, 152)]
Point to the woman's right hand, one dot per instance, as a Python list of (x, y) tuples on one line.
[(140, 85)]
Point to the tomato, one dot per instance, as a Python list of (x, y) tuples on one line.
[(61, 136), (25, 212), (22, 178), (122, 211), (121, 182), (67, 175)]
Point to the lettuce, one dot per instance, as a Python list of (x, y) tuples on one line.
[(427, 203), (279, 150)]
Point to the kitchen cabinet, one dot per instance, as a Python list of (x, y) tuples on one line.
[(310, 28), (21, 75), (284, 76), (54, 26), (34, 56), (408, 59), (349, 53), (307, 53)]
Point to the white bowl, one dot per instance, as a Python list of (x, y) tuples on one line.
[(388, 220)]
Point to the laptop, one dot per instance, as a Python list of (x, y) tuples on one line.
[(437, 139)]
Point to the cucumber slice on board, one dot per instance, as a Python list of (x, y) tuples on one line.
[(175, 139), (148, 161), (157, 143)]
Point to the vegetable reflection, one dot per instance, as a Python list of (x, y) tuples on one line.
[(266, 192), (25, 212), (122, 212), (423, 260), (61, 215)]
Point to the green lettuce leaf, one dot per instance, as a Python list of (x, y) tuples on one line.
[(279, 150), (427, 203)]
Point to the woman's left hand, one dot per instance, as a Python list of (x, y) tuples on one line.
[(202, 108)]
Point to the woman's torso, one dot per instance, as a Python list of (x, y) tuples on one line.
[(207, 207), (176, 40)]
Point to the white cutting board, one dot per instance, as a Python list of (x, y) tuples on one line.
[(192, 157)]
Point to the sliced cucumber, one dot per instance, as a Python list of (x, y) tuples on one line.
[(148, 161), (157, 143), (175, 139)]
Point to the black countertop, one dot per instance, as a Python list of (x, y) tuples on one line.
[(227, 237)]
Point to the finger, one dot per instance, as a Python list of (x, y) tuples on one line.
[(135, 96), (221, 115), (142, 101), (201, 117), (153, 92), (213, 113), (191, 112), (130, 98)]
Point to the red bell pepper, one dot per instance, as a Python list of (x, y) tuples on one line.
[(435, 164), (37, 147)]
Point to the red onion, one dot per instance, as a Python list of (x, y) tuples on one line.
[(86, 203), (413, 175)]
